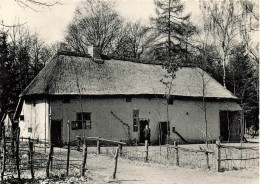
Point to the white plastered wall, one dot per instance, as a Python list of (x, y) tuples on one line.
[(186, 116), (36, 117)]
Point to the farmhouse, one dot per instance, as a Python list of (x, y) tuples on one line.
[(115, 99)]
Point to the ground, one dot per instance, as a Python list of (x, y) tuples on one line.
[(136, 171), (100, 167), (131, 172)]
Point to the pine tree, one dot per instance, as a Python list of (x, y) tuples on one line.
[(172, 32)]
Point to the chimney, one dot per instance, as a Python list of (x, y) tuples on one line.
[(94, 52)]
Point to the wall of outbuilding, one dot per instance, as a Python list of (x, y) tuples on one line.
[(185, 115)]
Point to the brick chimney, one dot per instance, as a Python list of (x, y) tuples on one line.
[(94, 52)]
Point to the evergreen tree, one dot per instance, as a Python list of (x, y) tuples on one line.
[(172, 32), (242, 79)]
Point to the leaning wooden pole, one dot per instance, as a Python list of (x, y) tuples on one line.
[(17, 154), (115, 168), (4, 155), (68, 153), (84, 160)]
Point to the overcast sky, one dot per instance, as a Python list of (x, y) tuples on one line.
[(51, 23)]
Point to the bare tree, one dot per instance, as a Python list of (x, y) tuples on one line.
[(249, 26), (132, 41), (225, 21), (95, 23), (35, 4), (27, 55)]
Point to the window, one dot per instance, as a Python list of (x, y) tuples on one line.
[(128, 99), (170, 100), (65, 100), (30, 129), (135, 120), (74, 125), (86, 120), (21, 117)]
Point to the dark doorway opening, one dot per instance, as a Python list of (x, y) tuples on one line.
[(56, 132), (142, 124), (163, 132), (230, 126)]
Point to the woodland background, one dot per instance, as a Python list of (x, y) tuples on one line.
[(223, 44)]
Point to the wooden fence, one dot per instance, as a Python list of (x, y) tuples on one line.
[(236, 157), (23, 157), (172, 155)]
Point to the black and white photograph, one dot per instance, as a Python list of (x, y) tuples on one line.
[(129, 92)]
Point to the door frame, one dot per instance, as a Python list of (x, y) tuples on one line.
[(241, 121), (160, 129), (139, 127), (61, 127)]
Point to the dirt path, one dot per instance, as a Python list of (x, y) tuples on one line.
[(134, 172)]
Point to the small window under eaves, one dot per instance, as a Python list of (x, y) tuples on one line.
[(128, 99), (170, 100), (65, 100), (21, 117)]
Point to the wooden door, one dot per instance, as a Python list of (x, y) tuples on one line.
[(163, 132), (230, 126), (56, 132)]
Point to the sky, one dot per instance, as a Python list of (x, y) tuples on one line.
[(51, 22)]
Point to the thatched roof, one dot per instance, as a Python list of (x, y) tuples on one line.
[(71, 75)]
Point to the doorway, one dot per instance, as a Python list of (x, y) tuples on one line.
[(163, 132), (230, 126), (56, 132), (142, 124)]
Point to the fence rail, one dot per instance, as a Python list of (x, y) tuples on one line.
[(20, 156), (236, 157), (25, 155)]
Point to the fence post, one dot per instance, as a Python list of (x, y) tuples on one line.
[(176, 153), (146, 150), (17, 153), (98, 146), (12, 145), (120, 147), (48, 161), (218, 155), (68, 153), (207, 159), (167, 151), (78, 146), (115, 168), (84, 158), (51, 161), (30, 156), (4, 155)]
